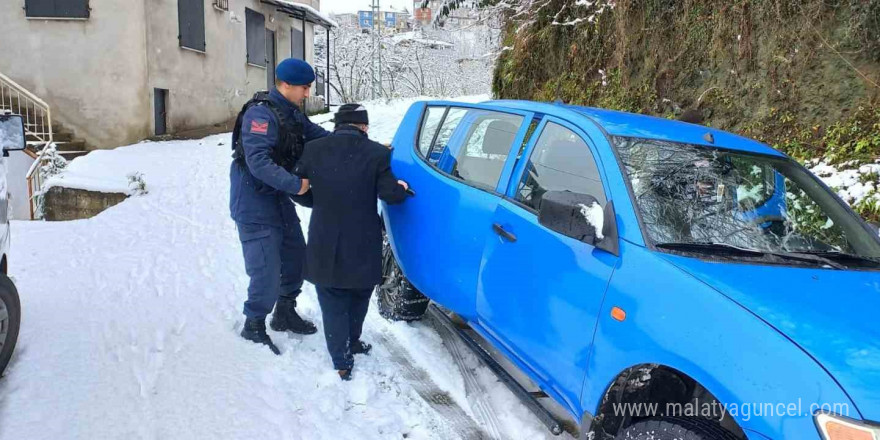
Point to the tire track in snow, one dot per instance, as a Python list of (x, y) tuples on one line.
[(439, 400), (483, 411)]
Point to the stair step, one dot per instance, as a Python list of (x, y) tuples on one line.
[(74, 145), (70, 155), (56, 128), (57, 137), (62, 137), (26, 114)]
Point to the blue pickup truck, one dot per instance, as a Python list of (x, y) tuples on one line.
[(656, 279)]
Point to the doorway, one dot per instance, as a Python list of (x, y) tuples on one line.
[(160, 111)]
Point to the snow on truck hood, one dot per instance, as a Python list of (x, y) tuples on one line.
[(834, 315)]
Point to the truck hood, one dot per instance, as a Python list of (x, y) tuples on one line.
[(833, 315)]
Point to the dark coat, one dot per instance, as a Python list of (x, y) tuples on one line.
[(347, 172), (261, 189)]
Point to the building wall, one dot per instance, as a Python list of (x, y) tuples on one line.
[(92, 73), (210, 88), (99, 74)]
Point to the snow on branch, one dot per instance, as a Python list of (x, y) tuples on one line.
[(592, 8), (428, 61)]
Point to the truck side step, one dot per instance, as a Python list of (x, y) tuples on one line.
[(526, 397)]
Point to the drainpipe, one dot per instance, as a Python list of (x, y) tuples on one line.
[(305, 101), (304, 36), (327, 79)]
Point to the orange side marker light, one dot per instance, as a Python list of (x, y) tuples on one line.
[(618, 313)]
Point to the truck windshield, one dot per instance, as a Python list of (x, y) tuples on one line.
[(700, 198)]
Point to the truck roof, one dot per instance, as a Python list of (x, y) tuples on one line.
[(617, 123)]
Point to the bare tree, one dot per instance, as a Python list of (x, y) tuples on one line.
[(436, 62)]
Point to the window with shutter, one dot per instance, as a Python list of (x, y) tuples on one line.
[(56, 8), (255, 29), (191, 20)]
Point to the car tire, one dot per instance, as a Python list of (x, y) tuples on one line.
[(398, 299), (676, 428), (10, 320)]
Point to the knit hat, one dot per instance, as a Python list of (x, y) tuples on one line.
[(352, 114), (295, 72)]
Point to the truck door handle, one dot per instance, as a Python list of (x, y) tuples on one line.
[(503, 233)]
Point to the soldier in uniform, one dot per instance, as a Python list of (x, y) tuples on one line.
[(268, 138)]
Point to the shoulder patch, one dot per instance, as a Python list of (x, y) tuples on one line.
[(259, 126)]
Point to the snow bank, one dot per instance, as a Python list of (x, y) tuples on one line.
[(853, 183), (108, 170)]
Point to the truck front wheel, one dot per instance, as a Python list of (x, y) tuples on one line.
[(676, 428)]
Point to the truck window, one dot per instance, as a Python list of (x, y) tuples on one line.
[(560, 161), (450, 123), (430, 124), (483, 152)]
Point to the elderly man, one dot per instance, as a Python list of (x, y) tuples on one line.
[(347, 172)]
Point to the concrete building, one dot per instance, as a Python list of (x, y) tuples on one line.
[(346, 20), (466, 15), (115, 72), (388, 22)]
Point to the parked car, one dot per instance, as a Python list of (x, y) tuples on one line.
[(12, 138), (622, 261)]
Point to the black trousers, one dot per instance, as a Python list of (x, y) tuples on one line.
[(343, 312)]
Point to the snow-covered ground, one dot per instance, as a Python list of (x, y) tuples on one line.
[(131, 320)]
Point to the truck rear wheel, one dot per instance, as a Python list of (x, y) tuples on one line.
[(398, 299), (10, 319)]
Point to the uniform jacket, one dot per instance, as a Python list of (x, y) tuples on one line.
[(347, 172), (261, 190)]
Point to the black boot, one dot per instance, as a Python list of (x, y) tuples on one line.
[(360, 347), (255, 331), (285, 318)]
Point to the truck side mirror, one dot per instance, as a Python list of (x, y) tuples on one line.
[(580, 216), (12, 136)]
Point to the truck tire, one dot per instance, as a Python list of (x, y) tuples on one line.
[(10, 319), (676, 428), (398, 299)]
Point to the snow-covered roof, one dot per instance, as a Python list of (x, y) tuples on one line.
[(300, 10), (412, 37)]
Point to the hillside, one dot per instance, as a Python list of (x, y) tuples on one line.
[(803, 76)]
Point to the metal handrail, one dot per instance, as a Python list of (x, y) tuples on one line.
[(37, 123), (24, 91)]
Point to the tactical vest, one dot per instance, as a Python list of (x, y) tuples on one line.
[(289, 146)]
